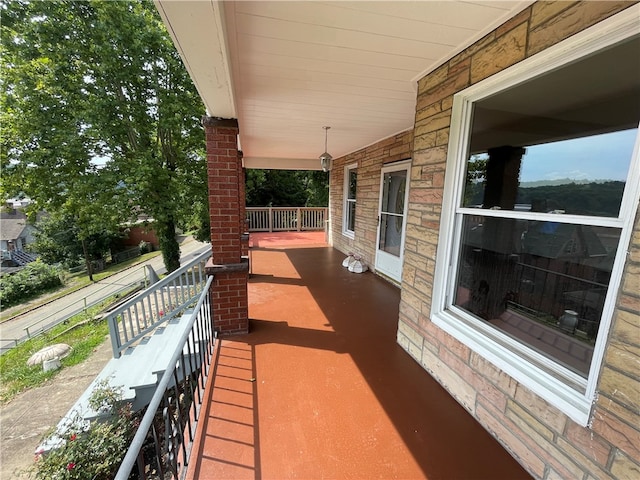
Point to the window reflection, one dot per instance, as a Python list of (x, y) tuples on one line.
[(546, 286), (351, 216), (351, 183), (392, 212), (353, 179), (582, 176)]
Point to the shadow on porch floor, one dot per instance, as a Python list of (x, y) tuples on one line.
[(320, 389)]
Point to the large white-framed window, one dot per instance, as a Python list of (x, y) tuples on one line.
[(541, 190), (349, 207)]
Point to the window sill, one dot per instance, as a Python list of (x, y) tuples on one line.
[(516, 361), (349, 234)]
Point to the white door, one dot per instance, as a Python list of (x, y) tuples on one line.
[(394, 194)]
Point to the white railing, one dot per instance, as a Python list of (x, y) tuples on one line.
[(282, 219), (159, 303)]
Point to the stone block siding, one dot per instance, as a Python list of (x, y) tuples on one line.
[(369, 161), (544, 440)]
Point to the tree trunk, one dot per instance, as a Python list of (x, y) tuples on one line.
[(87, 260), (169, 244)]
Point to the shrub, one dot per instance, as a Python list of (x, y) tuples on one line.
[(94, 452), (37, 277), (145, 247)]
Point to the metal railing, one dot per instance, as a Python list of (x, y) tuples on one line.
[(280, 219), (159, 303), (48, 322), (549, 292), (125, 255), (167, 430), (75, 308)]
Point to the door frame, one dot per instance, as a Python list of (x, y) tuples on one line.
[(393, 167)]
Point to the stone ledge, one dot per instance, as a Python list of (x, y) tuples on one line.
[(232, 333), (213, 269), (219, 122)]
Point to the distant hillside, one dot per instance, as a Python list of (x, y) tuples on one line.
[(599, 198), (559, 181), (594, 198)]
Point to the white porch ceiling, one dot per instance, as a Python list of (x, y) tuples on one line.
[(286, 69)]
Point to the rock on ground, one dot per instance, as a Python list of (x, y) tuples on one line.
[(32, 414)]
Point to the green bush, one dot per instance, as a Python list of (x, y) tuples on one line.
[(92, 453), (145, 247), (34, 279)]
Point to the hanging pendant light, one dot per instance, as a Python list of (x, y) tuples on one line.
[(325, 158)]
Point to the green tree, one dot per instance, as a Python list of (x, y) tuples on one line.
[(286, 188), (475, 180), (47, 144), (58, 240), (317, 187), (83, 80)]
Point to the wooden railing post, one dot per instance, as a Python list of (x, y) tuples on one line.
[(280, 219)]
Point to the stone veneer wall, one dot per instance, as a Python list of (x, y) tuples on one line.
[(369, 161), (548, 443)]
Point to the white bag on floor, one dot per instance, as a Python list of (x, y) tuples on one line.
[(349, 260), (358, 266)]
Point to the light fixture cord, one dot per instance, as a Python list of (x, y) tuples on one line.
[(326, 131)]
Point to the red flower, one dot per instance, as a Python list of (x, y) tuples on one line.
[(72, 437), (71, 466), (39, 453)]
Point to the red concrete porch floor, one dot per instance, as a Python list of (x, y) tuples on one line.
[(319, 389)]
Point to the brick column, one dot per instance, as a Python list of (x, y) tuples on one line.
[(227, 265)]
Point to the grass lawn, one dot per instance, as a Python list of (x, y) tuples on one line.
[(81, 332)]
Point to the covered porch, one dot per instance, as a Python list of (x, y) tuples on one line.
[(320, 388)]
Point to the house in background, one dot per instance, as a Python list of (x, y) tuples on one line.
[(15, 203), (140, 231), (15, 234), (528, 317)]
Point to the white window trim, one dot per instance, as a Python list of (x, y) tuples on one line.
[(574, 400), (345, 203)]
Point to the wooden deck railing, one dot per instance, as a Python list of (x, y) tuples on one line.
[(282, 219)]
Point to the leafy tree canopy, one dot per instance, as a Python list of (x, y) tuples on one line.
[(98, 79), (285, 188), (57, 240)]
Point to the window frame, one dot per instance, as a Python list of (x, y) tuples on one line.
[(566, 390), (346, 200)]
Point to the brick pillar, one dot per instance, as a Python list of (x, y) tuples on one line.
[(230, 270)]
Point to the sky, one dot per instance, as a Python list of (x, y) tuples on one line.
[(600, 157)]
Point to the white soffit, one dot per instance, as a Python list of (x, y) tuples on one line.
[(281, 163), (286, 69), (197, 30)]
